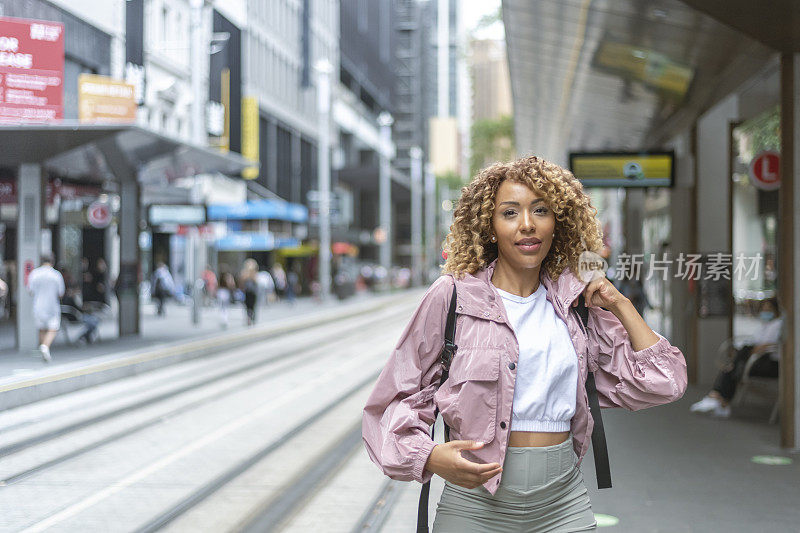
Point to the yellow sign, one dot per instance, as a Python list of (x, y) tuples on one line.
[(104, 99), (250, 123), (654, 69), (624, 169), (304, 250)]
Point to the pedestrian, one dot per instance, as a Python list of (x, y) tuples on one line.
[(225, 292), (266, 286), (163, 287), (3, 298), (248, 283), (46, 285), (87, 284), (279, 276), (90, 322), (292, 285), (209, 285), (99, 277), (764, 343), (515, 399)]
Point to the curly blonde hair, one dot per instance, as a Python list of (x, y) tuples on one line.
[(468, 244)]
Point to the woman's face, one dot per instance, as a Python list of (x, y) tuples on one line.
[(523, 225)]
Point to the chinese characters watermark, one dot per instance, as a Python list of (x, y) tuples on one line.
[(714, 267)]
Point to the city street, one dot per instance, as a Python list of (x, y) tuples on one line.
[(218, 441), (267, 437), (217, 218)]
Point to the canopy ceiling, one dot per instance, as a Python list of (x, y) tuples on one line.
[(617, 75)]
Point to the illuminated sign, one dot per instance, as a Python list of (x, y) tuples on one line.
[(188, 215), (623, 169)]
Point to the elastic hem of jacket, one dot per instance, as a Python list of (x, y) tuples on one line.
[(659, 348), (423, 452), (548, 426)]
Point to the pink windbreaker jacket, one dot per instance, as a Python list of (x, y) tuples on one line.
[(475, 401)]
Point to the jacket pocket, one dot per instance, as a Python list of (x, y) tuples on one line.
[(468, 399)]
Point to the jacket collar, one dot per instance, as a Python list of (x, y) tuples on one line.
[(476, 296)]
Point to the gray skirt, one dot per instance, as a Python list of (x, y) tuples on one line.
[(541, 490)]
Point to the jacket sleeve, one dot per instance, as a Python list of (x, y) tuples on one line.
[(397, 418), (632, 379)]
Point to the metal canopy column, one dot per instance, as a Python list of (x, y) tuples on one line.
[(29, 238), (129, 260), (789, 248)]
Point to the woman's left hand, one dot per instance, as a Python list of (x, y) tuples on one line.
[(602, 293)]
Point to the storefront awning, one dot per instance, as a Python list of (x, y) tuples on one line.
[(259, 210), (72, 149)]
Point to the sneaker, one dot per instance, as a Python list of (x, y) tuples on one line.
[(45, 351), (706, 405), (723, 411)]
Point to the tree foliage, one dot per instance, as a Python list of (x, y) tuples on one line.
[(765, 131), (492, 140), (451, 179)]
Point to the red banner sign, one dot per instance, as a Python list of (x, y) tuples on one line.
[(67, 191), (31, 70)]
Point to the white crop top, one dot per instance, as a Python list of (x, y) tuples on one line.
[(547, 369)]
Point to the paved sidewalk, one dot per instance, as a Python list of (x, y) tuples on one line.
[(164, 334), (176, 325), (672, 472)]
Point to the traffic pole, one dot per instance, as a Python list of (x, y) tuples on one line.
[(324, 70)]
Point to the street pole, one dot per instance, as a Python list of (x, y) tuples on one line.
[(198, 52), (324, 70), (416, 215), (385, 121), (431, 257)]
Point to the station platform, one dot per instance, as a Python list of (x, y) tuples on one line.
[(673, 472)]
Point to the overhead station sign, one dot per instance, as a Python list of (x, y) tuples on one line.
[(31, 70), (623, 169)]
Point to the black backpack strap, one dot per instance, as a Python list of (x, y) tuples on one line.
[(599, 444), (446, 357)]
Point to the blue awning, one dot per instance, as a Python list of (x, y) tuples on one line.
[(259, 210), (253, 241)]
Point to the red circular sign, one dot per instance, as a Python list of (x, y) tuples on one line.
[(99, 214), (765, 170)]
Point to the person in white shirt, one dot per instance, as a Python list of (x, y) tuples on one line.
[(163, 287), (46, 285), (764, 342)]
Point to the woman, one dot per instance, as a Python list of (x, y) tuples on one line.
[(249, 285), (515, 399), (765, 343)]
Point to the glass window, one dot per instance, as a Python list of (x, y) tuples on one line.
[(754, 194)]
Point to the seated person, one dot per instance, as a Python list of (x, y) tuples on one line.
[(90, 322), (764, 342)]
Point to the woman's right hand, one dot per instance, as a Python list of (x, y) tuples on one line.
[(446, 461)]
